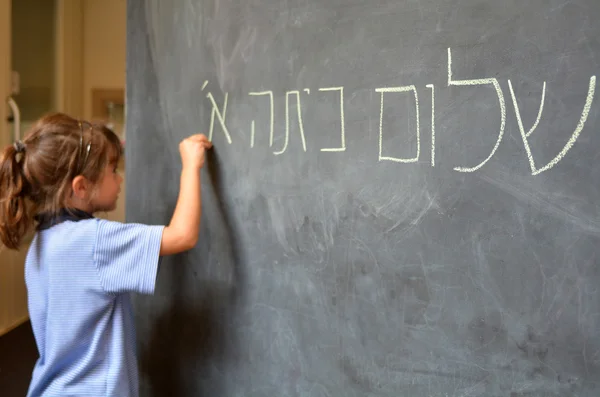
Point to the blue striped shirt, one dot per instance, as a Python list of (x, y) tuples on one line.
[(79, 276)]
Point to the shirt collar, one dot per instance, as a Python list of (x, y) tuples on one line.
[(47, 220)]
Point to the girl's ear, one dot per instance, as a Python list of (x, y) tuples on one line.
[(80, 187)]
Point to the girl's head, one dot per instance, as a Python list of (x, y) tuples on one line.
[(61, 163)]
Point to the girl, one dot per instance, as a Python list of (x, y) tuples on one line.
[(80, 269)]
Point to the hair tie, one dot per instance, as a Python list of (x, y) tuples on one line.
[(19, 146)]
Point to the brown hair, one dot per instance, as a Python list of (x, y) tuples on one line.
[(36, 174)]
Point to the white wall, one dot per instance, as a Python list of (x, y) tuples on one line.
[(13, 295), (104, 61), (104, 47)]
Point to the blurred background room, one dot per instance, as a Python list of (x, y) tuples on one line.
[(55, 55)]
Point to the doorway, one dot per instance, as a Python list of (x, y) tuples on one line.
[(33, 63), (40, 71)]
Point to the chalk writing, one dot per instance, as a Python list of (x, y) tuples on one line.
[(398, 89), (287, 121), (584, 115), (476, 82), (221, 114), (272, 109), (432, 124), (343, 137)]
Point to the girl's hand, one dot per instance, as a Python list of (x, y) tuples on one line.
[(192, 150)]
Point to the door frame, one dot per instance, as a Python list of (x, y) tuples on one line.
[(69, 57), (5, 66)]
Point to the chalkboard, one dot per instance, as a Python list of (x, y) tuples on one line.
[(402, 198)]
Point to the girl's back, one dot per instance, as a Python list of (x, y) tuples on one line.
[(77, 274), (79, 269)]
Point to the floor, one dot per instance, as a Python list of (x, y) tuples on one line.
[(18, 354)]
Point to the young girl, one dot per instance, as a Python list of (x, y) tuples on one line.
[(80, 269)]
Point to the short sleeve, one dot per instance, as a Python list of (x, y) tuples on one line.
[(127, 256)]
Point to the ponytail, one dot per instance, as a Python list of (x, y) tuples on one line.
[(36, 176), (15, 212)]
